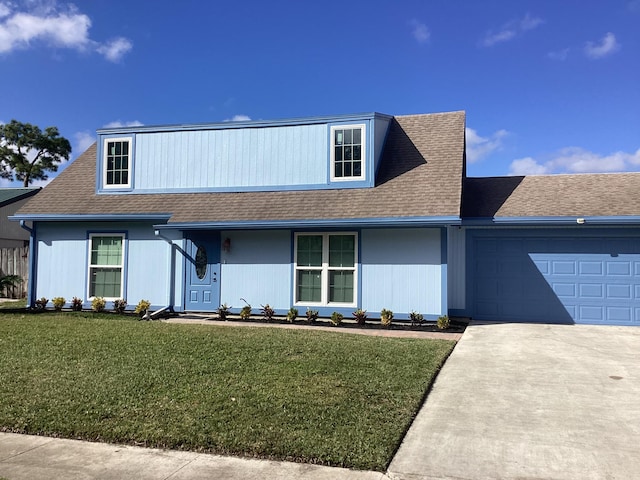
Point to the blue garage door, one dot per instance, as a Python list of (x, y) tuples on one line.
[(556, 279)]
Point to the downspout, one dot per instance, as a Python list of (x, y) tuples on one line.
[(32, 263), (172, 274)]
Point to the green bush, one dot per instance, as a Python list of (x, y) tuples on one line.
[(444, 322), (312, 315), (58, 303), (245, 313), (292, 314), (416, 318), (336, 318), (98, 304), (386, 316), (142, 307)]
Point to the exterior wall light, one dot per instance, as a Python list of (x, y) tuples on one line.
[(226, 245), (579, 221)]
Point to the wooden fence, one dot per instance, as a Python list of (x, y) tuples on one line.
[(15, 261)]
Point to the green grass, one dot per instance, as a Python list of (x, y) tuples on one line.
[(22, 303), (301, 395)]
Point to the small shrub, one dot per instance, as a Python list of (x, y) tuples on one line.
[(98, 304), (443, 322), (360, 316), (267, 312), (58, 303), (386, 316), (312, 315), (292, 314), (142, 307), (41, 303), (76, 304), (119, 305), (416, 318), (245, 313), (223, 311), (336, 318)]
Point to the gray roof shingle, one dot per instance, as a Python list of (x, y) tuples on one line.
[(420, 175), (580, 195)]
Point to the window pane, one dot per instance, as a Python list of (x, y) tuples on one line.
[(309, 286), (309, 250), (341, 286), (357, 152), (357, 169), (337, 170), (338, 154), (347, 136), (341, 251), (347, 153), (106, 251), (357, 136), (338, 137), (347, 170), (105, 282)]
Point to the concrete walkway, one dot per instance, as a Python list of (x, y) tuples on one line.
[(514, 401), (519, 401)]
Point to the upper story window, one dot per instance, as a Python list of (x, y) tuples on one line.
[(347, 152), (117, 163)]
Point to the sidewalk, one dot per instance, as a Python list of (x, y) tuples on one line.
[(29, 457)]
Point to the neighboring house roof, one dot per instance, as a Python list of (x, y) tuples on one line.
[(420, 175), (580, 195), (11, 195)]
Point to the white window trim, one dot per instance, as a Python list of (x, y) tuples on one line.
[(91, 265), (104, 162), (325, 269), (363, 139)]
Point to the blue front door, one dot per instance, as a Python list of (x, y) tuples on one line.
[(202, 289)]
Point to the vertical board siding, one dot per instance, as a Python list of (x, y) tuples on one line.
[(62, 251), (248, 157), (257, 268), (402, 271), (456, 267)]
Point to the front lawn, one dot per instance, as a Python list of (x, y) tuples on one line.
[(309, 396)]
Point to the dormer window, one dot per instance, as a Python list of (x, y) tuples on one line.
[(117, 163), (347, 152)]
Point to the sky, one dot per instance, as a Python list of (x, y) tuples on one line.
[(548, 86)]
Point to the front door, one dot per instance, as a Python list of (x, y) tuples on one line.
[(202, 289)]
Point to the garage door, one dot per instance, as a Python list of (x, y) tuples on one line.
[(554, 278)]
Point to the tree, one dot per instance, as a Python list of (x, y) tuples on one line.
[(27, 153)]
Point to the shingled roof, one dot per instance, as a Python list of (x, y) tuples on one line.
[(420, 175), (580, 195)]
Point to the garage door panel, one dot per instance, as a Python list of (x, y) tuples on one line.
[(556, 278)]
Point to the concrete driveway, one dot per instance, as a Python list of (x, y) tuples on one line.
[(523, 401)]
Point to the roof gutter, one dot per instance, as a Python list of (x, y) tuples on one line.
[(395, 222), (565, 220), (89, 217)]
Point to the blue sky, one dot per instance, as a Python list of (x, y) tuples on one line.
[(549, 86)]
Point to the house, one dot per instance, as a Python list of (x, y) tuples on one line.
[(11, 199), (333, 213)]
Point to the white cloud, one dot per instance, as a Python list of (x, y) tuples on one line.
[(607, 46), (115, 49), (120, 123), (577, 160), (53, 25), (238, 118), (83, 140), (510, 30), (420, 31), (479, 147)]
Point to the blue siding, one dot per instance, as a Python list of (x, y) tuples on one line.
[(402, 271), (568, 276), (381, 128), (62, 250), (251, 157), (257, 268)]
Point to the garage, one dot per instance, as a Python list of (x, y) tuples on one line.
[(572, 275)]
